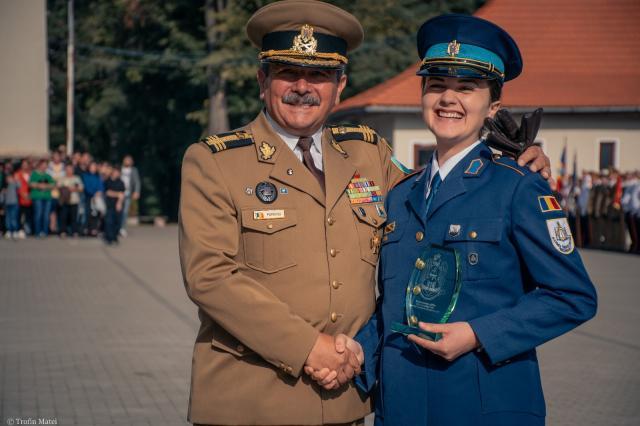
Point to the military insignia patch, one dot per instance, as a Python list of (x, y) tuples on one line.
[(474, 167), (560, 235), (454, 230), (305, 42), (266, 192), (267, 151), (390, 227), (380, 210), (548, 203), (453, 48), (362, 190)]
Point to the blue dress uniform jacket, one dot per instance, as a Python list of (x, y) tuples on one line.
[(523, 284)]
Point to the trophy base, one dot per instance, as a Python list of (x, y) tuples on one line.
[(407, 330)]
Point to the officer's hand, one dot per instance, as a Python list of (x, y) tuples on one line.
[(326, 378), (325, 356), (356, 358), (457, 339), (332, 379), (537, 160)]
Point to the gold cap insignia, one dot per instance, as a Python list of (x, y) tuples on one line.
[(267, 150), (453, 48), (305, 42)]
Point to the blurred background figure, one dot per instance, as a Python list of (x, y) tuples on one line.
[(55, 169), (93, 201), (9, 194), (25, 215), (114, 190), (70, 187), (41, 184), (131, 179)]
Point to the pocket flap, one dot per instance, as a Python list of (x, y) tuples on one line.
[(371, 213), (268, 221), (476, 229)]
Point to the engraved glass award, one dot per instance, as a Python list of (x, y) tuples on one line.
[(432, 291)]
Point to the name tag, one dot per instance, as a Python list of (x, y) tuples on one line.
[(268, 214)]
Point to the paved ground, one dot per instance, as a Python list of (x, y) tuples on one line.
[(91, 335)]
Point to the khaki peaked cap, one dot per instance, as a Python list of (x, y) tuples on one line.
[(274, 27)]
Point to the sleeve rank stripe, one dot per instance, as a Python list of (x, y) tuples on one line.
[(224, 141)]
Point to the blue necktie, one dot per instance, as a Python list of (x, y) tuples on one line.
[(435, 184)]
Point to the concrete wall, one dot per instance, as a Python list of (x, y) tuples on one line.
[(23, 78)]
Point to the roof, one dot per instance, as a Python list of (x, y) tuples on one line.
[(582, 54)]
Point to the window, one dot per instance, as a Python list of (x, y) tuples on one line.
[(422, 154), (607, 154)]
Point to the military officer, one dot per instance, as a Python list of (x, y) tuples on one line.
[(523, 283), (280, 227)]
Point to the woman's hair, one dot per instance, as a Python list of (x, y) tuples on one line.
[(495, 90)]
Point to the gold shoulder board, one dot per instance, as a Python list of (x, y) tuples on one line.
[(354, 132), (228, 140)]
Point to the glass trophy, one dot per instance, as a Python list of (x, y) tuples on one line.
[(432, 291)]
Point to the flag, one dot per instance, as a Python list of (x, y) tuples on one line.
[(563, 167), (574, 176)]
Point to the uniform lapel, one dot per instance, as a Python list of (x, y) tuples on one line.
[(453, 185), (286, 166), (338, 171), (416, 197)]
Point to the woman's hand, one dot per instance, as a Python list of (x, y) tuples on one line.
[(457, 339)]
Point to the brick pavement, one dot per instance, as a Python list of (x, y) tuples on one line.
[(91, 335)]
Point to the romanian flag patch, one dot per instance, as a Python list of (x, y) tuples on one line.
[(548, 203)]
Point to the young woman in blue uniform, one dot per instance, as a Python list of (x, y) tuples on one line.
[(522, 281)]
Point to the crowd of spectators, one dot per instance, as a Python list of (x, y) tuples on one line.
[(68, 196), (603, 209)]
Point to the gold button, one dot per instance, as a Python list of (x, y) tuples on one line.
[(240, 348), (473, 234), (330, 220), (333, 252), (289, 370), (413, 320), (417, 290), (270, 226), (334, 317), (335, 284), (419, 236), (420, 264)]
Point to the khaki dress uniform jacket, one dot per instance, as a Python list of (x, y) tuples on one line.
[(265, 288)]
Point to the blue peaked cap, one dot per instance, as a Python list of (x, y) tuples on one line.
[(455, 45)]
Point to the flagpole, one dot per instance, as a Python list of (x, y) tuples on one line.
[(70, 77)]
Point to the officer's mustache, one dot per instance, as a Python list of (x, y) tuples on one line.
[(296, 99)]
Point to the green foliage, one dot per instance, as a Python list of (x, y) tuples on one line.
[(141, 74)]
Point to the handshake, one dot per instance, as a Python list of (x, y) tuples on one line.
[(333, 361)]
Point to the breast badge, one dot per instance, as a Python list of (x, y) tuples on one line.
[(268, 214), (362, 190), (560, 235), (266, 192)]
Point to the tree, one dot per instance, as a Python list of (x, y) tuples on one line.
[(153, 77)]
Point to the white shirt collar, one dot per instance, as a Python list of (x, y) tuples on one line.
[(448, 165), (292, 140)]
